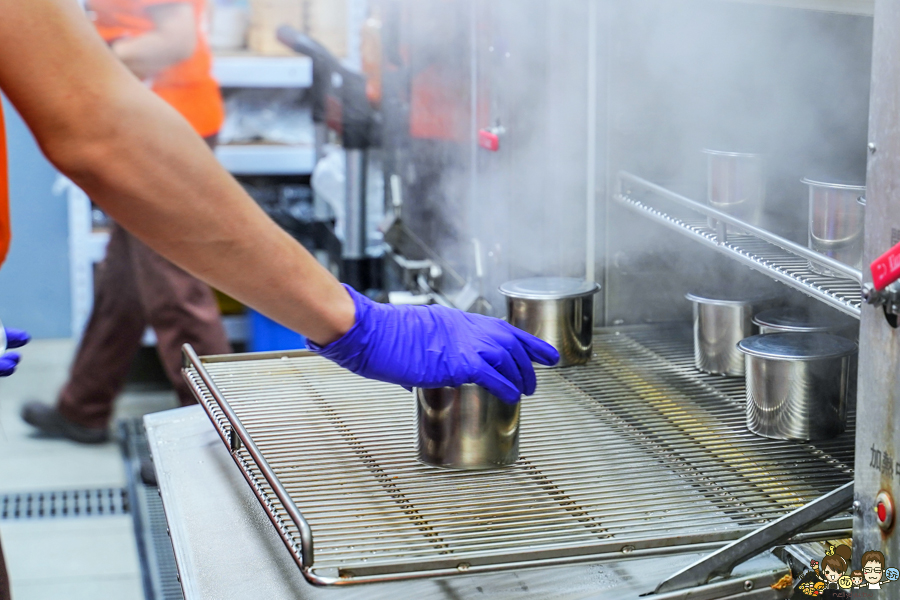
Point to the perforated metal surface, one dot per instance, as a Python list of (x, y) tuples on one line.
[(635, 453), (66, 503), (783, 265)]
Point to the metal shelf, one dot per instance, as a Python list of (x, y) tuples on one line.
[(848, 7), (267, 159), (635, 454), (782, 259), (262, 71)]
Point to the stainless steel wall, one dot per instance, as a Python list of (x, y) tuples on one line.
[(878, 413)]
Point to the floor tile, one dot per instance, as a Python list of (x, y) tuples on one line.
[(83, 548), (127, 587), (67, 469)]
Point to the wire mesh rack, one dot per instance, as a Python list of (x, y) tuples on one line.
[(635, 454), (764, 251)]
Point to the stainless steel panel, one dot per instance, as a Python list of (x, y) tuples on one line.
[(598, 442), (878, 437)]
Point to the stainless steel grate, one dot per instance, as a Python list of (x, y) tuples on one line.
[(106, 502), (635, 454), (774, 256)]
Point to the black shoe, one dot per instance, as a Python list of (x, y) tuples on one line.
[(48, 420)]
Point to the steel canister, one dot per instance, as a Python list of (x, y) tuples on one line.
[(798, 384), (721, 320), (736, 184), (836, 223), (805, 320), (466, 428), (559, 310)]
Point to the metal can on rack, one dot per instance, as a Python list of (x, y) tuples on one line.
[(836, 223), (721, 320), (559, 310), (466, 428), (798, 384), (736, 184)]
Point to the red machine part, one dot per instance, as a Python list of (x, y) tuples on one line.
[(886, 268), (884, 509), (488, 140)]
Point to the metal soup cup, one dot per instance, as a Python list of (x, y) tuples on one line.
[(559, 310), (736, 184), (798, 384), (836, 223), (466, 428), (721, 320)]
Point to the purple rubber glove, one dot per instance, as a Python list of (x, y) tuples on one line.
[(435, 346), (15, 338)]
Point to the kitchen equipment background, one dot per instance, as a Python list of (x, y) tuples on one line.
[(590, 99), (466, 428)]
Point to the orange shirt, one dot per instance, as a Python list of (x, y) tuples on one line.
[(188, 86), (5, 229)]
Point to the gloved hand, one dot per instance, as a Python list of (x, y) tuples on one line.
[(435, 346), (15, 338)]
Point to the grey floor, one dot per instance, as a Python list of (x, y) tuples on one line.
[(74, 557)]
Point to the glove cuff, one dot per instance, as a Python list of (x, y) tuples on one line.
[(333, 350)]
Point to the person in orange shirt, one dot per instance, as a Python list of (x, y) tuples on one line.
[(161, 42)]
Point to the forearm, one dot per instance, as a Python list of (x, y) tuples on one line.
[(159, 180), (148, 54)]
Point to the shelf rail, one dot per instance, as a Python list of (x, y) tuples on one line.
[(764, 251)]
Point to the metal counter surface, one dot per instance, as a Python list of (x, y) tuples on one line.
[(226, 547)]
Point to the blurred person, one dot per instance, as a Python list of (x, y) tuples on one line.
[(161, 42), (147, 168)]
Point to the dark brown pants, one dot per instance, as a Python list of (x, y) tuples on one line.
[(136, 287), (4, 579)]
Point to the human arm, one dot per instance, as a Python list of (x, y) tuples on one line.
[(173, 39), (142, 163)]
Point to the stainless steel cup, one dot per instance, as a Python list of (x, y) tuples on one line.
[(804, 320), (836, 221), (559, 310), (721, 321), (466, 428), (736, 184), (797, 384)]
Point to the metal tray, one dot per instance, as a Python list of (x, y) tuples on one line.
[(635, 454)]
